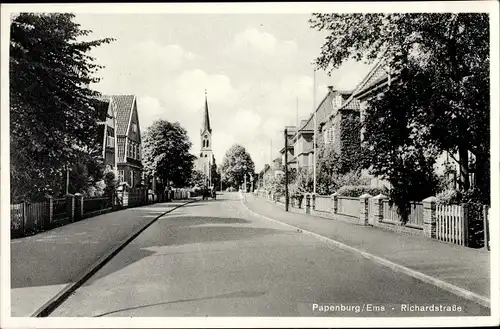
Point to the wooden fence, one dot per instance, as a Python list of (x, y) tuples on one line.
[(28, 218), (60, 211), (97, 205), (348, 206), (451, 225), (415, 218), (31, 218), (465, 225)]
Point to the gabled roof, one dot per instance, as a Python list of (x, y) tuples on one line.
[(374, 76), (322, 111), (124, 105)]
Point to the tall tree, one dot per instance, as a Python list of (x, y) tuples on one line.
[(443, 59), (52, 112), (166, 153), (236, 164)]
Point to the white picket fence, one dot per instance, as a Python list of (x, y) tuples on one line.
[(450, 224)]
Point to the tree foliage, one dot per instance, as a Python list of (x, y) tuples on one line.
[(440, 101), (236, 164), (198, 178), (52, 111), (166, 153)]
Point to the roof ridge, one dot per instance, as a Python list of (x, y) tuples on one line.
[(316, 110)]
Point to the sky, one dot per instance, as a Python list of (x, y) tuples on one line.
[(256, 69)]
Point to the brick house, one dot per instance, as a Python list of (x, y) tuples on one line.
[(128, 140), (375, 83), (336, 127)]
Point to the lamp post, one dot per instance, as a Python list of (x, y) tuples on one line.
[(286, 169)]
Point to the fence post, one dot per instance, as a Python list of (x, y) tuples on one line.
[(430, 217), (308, 203), (50, 210), (335, 202), (378, 208), (78, 206), (363, 213), (465, 216), (23, 221), (486, 219), (70, 204), (313, 199)]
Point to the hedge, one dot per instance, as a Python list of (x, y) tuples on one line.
[(359, 190)]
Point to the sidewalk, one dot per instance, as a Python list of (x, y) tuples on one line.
[(463, 267), (43, 264)]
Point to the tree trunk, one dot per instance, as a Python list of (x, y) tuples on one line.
[(483, 176), (464, 167)]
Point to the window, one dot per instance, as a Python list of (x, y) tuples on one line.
[(121, 176), (132, 178), (139, 152), (338, 100), (207, 143), (134, 128), (129, 154), (110, 141)]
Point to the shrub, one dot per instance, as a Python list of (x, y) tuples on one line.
[(358, 190), (449, 196)]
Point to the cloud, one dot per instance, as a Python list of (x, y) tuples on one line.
[(221, 142), (252, 42), (189, 88), (162, 57), (150, 109), (251, 38)]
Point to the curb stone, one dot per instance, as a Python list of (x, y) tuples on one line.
[(461, 292), (47, 308)]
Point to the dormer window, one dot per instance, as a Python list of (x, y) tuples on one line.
[(134, 128), (338, 101)]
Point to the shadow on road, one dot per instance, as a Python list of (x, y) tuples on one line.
[(240, 294), (177, 231)]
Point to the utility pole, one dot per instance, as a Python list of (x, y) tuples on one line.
[(315, 128), (286, 169)]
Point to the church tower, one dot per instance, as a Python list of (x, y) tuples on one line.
[(206, 159)]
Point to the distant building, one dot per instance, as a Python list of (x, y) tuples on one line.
[(206, 159), (292, 160), (128, 140)]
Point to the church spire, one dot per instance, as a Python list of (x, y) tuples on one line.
[(206, 118)]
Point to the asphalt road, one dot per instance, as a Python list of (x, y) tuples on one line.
[(215, 258)]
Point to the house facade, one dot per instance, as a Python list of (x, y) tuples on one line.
[(128, 140), (107, 132), (376, 82)]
